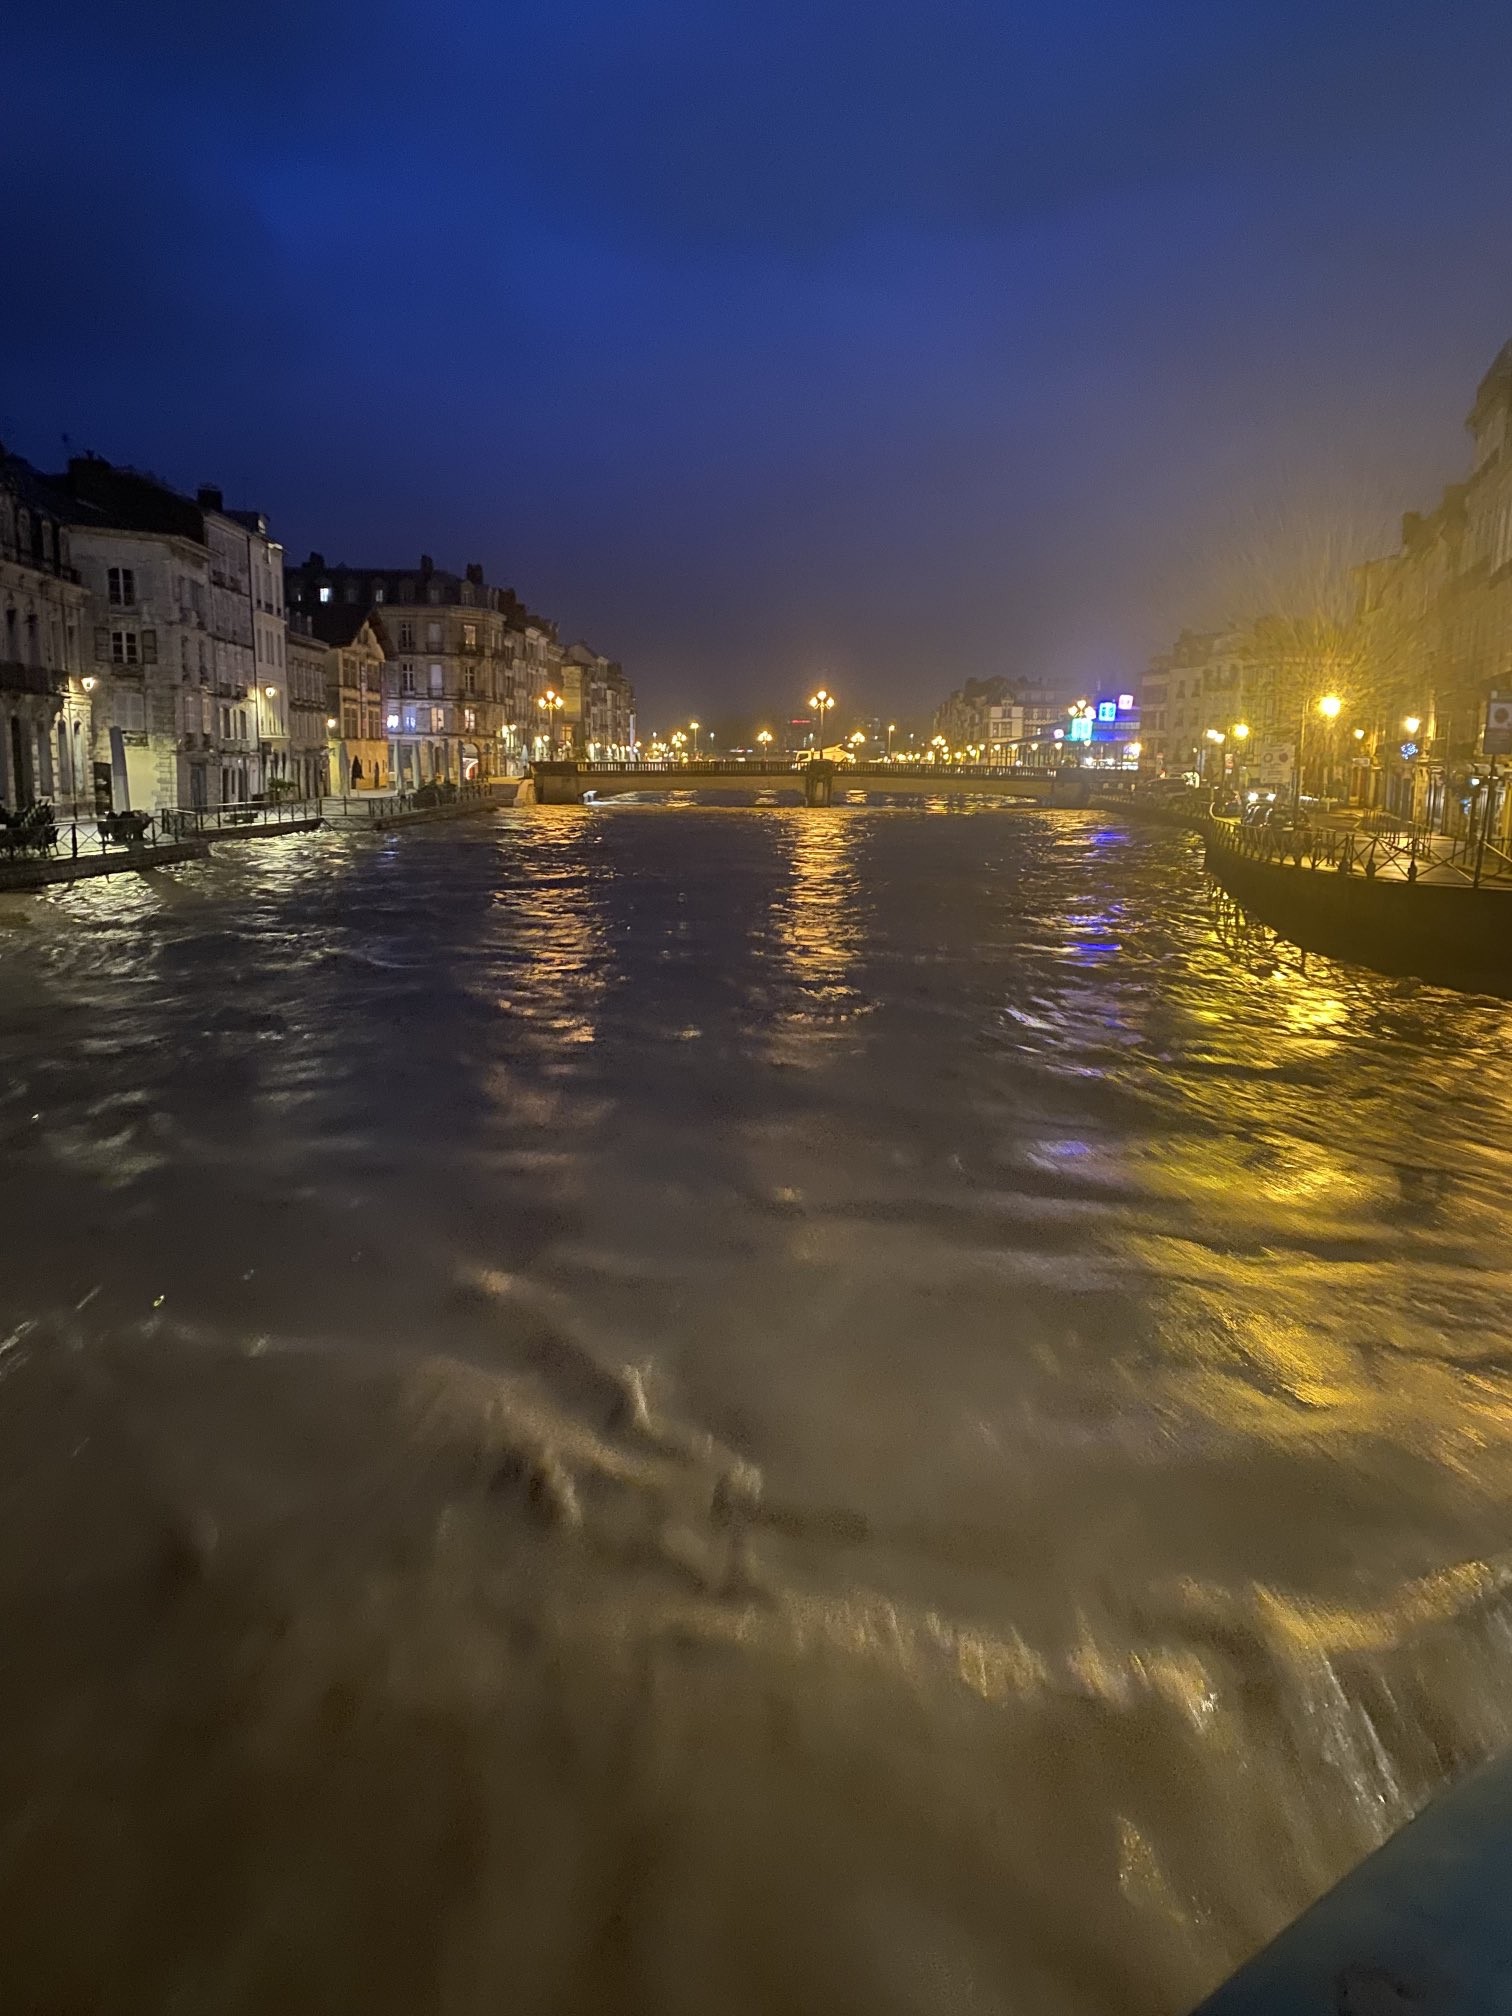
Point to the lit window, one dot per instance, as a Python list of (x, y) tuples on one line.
[(325, 591)]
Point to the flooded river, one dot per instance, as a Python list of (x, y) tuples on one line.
[(747, 1410)]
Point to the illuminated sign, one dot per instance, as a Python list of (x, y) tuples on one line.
[(1409, 750), (1107, 710), (1080, 729), (1126, 702)]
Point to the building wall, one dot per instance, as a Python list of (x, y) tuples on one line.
[(44, 709), (151, 653), (309, 710)]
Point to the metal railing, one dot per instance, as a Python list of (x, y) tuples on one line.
[(1403, 854), (37, 833), (794, 766), (195, 821)]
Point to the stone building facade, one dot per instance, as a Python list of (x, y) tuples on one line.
[(463, 657), (188, 658), (598, 717), (45, 735), (357, 697), (311, 722)]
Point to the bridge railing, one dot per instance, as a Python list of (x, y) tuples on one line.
[(794, 766)]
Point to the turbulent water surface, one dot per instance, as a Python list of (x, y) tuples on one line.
[(690, 1409)]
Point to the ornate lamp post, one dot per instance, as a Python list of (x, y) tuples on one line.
[(823, 704)]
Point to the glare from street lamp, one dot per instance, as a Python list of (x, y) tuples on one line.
[(1359, 734), (1240, 731), (1330, 706), (1215, 735), (1412, 723)]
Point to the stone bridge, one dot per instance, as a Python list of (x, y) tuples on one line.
[(570, 783)]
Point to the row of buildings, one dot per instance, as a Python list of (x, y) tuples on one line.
[(1000, 722), (158, 653), (1383, 700)]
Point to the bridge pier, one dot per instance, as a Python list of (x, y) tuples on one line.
[(557, 783), (818, 783)]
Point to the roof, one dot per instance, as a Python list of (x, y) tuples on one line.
[(338, 623)]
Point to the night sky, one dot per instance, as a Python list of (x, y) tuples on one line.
[(893, 343)]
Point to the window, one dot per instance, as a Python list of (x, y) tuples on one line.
[(406, 679), (433, 634), (123, 648), (349, 723), (325, 591), (469, 680), (409, 720), (377, 591), (438, 720), (469, 717), (437, 681), (393, 720), (406, 636), (469, 636), (121, 582), (129, 710)]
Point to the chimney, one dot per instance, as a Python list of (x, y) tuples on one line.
[(210, 498), (315, 564), (475, 573), (427, 565)]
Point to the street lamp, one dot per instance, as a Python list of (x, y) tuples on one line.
[(1330, 706), (857, 739), (1412, 723), (892, 729), (550, 703), (679, 743), (764, 737), (694, 726), (823, 703), (937, 749)]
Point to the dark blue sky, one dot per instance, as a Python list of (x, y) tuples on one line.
[(901, 342)]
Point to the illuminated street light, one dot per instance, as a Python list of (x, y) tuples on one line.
[(330, 724), (1359, 734), (823, 703), (892, 729), (694, 726), (1412, 723), (1134, 750), (1216, 735), (1240, 731), (1330, 706), (764, 737), (936, 748)]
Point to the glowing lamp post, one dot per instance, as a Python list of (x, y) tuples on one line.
[(823, 704), (764, 737)]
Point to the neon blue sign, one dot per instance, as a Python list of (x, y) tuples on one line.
[(1107, 710)]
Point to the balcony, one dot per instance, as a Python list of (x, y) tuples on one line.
[(15, 677)]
